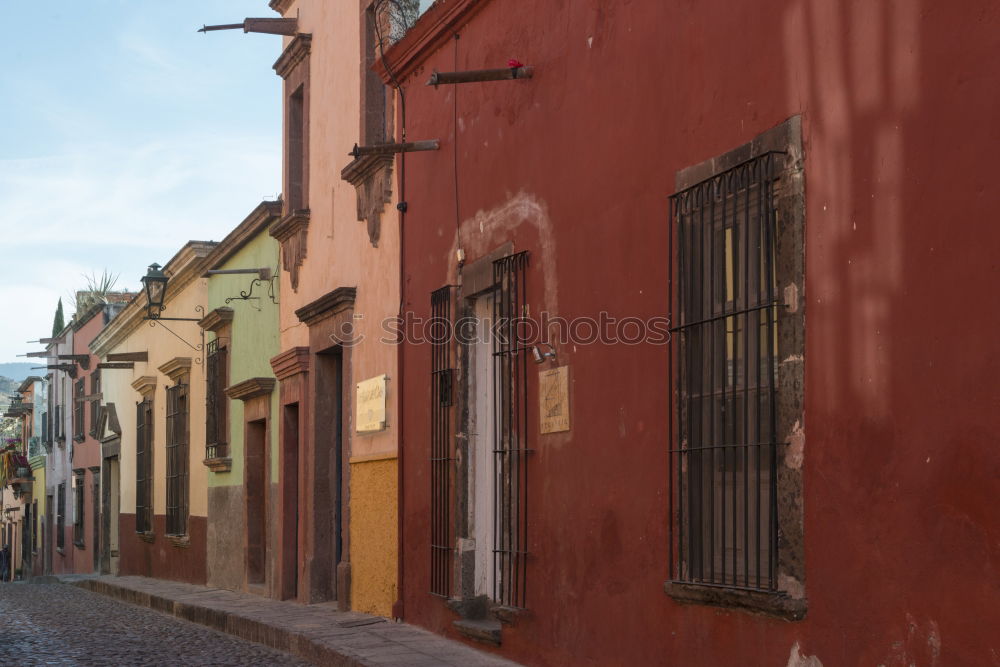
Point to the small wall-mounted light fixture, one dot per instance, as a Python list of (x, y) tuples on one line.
[(513, 73), (392, 149), (539, 356), (268, 26)]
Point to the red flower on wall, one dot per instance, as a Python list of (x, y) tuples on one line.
[(514, 63)]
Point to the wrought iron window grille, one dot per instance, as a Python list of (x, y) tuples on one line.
[(442, 452), (217, 403), (177, 459), (511, 432), (723, 367)]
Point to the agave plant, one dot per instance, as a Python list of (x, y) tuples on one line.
[(96, 291)]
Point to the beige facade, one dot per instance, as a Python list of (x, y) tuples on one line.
[(173, 352)]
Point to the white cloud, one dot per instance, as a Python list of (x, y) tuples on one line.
[(155, 195)]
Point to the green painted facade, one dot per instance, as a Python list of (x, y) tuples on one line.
[(255, 339)]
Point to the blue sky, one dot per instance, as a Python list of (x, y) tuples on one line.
[(125, 133)]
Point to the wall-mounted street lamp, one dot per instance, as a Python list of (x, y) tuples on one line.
[(155, 285)]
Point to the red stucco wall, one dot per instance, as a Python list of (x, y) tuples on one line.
[(86, 454), (160, 558), (899, 103)]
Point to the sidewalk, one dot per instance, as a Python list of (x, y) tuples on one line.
[(317, 633)]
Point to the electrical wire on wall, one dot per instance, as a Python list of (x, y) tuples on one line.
[(458, 218)]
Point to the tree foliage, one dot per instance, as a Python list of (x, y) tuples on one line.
[(59, 323)]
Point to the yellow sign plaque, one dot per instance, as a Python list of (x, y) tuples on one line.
[(370, 414), (553, 397)]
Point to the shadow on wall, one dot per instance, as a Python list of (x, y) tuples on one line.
[(900, 103)]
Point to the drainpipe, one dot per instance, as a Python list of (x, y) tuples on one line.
[(397, 607)]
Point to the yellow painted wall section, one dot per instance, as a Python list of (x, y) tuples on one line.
[(373, 536)]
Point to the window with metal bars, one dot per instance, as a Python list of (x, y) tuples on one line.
[(95, 403), (144, 466), (34, 526), (724, 370), (61, 516), (78, 404), (78, 509), (442, 458), (177, 459), (217, 403), (510, 431)]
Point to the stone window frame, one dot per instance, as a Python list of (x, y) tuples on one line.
[(79, 410), (145, 432), (371, 175), (178, 463), (789, 600), (95, 402), (79, 500), (61, 517), (291, 231)]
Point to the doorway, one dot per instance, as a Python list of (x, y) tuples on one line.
[(256, 500), (483, 477), (289, 539), (327, 472)]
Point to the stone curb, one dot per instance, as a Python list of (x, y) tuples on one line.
[(355, 641), (229, 622)]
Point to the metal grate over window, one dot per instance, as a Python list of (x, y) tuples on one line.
[(442, 457), (510, 442), (723, 369), (216, 372), (95, 402), (177, 459), (78, 510), (61, 515), (144, 466), (78, 411)]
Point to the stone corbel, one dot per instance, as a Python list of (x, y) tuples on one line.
[(290, 232), (371, 176)]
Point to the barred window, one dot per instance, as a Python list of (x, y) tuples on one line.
[(95, 403), (78, 402), (737, 345), (144, 466), (217, 403), (61, 516), (177, 459), (78, 509), (510, 432), (34, 526), (442, 458)]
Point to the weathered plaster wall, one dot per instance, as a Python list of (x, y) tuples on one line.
[(226, 535), (340, 254), (86, 453), (373, 536), (576, 166), (255, 339)]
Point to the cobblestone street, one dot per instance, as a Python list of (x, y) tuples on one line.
[(57, 624)]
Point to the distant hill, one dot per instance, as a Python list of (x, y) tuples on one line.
[(18, 371)]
